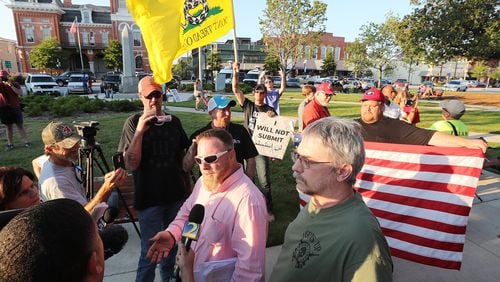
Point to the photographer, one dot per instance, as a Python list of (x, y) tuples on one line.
[(60, 178)]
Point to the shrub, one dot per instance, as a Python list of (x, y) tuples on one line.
[(245, 88), (188, 87), (123, 105)]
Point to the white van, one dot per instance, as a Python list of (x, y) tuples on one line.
[(252, 77)]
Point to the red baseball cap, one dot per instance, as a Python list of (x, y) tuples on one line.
[(4, 73), (148, 85), (373, 94), (325, 87)]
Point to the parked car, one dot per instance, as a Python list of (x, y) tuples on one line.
[(367, 84), (401, 83), (111, 80), (63, 78), (293, 83), (455, 85), (276, 81), (41, 84), (476, 84), (252, 77), (383, 82), (76, 85)]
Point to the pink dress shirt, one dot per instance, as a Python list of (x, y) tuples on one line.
[(235, 225)]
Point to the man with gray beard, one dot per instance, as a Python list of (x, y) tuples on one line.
[(235, 222)]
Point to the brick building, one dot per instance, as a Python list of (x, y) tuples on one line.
[(36, 20), (8, 56)]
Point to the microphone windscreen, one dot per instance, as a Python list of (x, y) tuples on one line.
[(110, 214), (114, 238), (197, 214)]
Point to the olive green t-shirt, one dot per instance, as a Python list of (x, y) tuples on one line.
[(341, 243)]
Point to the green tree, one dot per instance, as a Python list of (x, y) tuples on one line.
[(113, 57), (182, 67), (448, 29), (45, 55), (481, 70), (356, 58), (289, 25), (382, 49), (214, 61), (272, 64), (329, 66)]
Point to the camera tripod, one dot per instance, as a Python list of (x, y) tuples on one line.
[(88, 156)]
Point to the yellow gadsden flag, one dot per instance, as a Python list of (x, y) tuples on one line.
[(170, 28)]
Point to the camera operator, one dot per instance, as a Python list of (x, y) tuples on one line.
[(60, 178)]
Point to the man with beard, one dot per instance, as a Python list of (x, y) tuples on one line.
[(219, 109), (378, 128), (61, 178), (235, 212), (318, 107), (335, 237)]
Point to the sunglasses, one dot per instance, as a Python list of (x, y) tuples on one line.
[(154, 94), (211, 158)]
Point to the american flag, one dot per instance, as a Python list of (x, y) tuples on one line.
[(73, 27), (422, 197)]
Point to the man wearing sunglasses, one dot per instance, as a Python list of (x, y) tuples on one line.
[(219, 109), (251, 111), (235, 220), (318, 107), (154, 144), (335, 237)]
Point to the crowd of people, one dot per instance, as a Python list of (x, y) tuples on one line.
[(334, 238)]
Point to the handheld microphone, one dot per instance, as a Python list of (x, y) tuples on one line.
[(191, 230), (108, 216)]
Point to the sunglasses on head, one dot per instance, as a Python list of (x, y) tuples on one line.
[(211, 158), (154, 94)]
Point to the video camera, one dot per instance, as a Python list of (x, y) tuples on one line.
[(88, 130)]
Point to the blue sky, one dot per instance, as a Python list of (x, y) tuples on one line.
[(344, 17)]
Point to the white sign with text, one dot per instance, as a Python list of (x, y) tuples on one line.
[(272, 134)]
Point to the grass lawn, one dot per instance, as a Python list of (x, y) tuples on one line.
[(284, 195)]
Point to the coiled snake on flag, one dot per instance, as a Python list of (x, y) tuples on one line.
[(191, 4)]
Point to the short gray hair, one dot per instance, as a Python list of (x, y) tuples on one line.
[(343, 138)]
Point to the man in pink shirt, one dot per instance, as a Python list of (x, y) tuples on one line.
[(235, 222), (318, 107)]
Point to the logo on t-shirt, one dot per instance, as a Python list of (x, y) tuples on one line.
[(308, 247)]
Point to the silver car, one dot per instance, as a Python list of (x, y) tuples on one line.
[(455, 85)]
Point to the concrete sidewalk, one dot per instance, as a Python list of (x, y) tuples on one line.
[(481, 260)]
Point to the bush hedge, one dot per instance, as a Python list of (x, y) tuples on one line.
[(37, 105)]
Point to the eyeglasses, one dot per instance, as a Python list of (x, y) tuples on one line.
[(154, 94), (304, 162), (211, 158), (267, 81)]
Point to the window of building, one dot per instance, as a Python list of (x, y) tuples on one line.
[(30, 35), (337, 53), (86, 16), (85, 38), (330, 50), (104, 36), (307, 52), (92, 39), (323, 52), (138, 62), (136, 35), (46, 32), (26, 20), (315, 53), (45, 20), (122, 4), (71, 37)]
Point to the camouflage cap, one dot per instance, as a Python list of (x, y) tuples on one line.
[(61, 134)]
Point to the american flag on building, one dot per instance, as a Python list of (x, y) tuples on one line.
[(422, 197)]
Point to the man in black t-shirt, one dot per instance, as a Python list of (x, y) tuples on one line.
[(251, 111), (219, 109), (154, 144), (377, 128)]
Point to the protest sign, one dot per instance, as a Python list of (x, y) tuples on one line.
[(271, 135)]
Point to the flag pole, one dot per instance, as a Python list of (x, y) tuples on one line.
[(199, 66), (235, 43), (79, 44)]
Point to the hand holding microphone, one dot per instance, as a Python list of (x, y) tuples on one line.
[(164, 241)]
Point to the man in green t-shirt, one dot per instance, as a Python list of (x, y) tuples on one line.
[(335, 237), (452, 111)]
